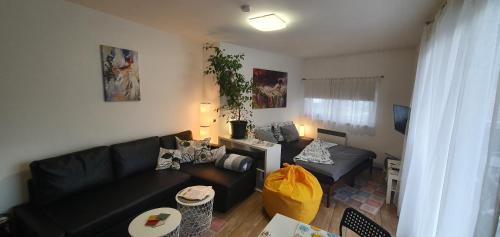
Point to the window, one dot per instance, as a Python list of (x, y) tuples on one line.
[(346, 104)]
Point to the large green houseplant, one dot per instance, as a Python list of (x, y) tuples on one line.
[(234, 90)]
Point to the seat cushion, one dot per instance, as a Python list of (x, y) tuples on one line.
[(135, 156), (168, 141), (230, 187), (93, 211), (57, 177), (208, 172)]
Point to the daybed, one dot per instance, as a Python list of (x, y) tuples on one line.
[(349, 161)]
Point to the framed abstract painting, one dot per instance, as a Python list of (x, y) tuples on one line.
[(120, 74), (269, 89)]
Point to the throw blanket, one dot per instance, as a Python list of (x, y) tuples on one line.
[(316, 152)]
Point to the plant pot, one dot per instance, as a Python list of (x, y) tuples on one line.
[(239, 129)]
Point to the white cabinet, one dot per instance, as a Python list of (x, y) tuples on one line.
[(271, 160)]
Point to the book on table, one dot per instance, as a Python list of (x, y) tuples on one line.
[(157, 220)]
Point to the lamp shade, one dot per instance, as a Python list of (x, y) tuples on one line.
[(204, 132), (302, 130), (205, 109)]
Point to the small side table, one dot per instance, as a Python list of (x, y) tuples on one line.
[(137, 227), (393, 167), (196, 215)]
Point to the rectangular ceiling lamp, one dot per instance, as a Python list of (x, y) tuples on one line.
[(269, 22)]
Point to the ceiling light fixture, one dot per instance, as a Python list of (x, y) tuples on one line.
[(268, 22)]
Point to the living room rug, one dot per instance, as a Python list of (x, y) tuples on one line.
[(216, 226), (367, 196)]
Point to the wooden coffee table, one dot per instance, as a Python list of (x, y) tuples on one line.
[(137, 228)]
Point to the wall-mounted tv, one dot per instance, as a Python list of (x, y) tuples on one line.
[(401, 116)]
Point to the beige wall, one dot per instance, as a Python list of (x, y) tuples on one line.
[(398, 67), (266, 60), (51, 93)]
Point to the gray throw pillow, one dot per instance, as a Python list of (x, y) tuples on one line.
[(265, 135), (276, 129), (289, 133), (234, 162)]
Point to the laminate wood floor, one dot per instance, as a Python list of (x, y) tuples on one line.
[(249, 218)]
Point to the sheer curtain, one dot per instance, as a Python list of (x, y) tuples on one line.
[(450, 173), (345, 104)]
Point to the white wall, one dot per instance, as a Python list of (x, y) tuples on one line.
[(398, 67), (276, 62), (51, 93)]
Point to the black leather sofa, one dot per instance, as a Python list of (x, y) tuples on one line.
[(97, 192)]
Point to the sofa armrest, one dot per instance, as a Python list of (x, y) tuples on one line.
[(30, 221)]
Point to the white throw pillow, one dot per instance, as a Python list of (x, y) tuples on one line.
[(209, 155), (190, 148), (168, 159)]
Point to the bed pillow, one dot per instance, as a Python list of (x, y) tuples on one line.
[(206, 155), (168, 159), (189, 148), (265, 135), (290, 133), (276, 128), (234, 162)]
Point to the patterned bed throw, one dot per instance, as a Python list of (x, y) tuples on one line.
[(316, 152)]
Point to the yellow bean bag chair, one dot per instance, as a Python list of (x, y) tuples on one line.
[(292, 191)]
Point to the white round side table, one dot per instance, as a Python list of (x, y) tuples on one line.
[(137, 227), (196, 215)]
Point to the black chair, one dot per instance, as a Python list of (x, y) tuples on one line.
[(361, 225)]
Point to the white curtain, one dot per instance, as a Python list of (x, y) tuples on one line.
[(450, 172), (348, 104)]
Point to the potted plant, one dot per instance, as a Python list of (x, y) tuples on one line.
[(234, 90)]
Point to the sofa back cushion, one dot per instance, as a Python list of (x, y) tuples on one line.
[(135, 156), (169, 142), (58, 177)]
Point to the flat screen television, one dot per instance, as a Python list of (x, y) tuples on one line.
[(401, 116)]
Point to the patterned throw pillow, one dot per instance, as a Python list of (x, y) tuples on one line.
[(234, 162), (205, 155), (169, 159), (277, 129), (189, 148)]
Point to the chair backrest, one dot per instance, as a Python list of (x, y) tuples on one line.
[(361, 225)]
